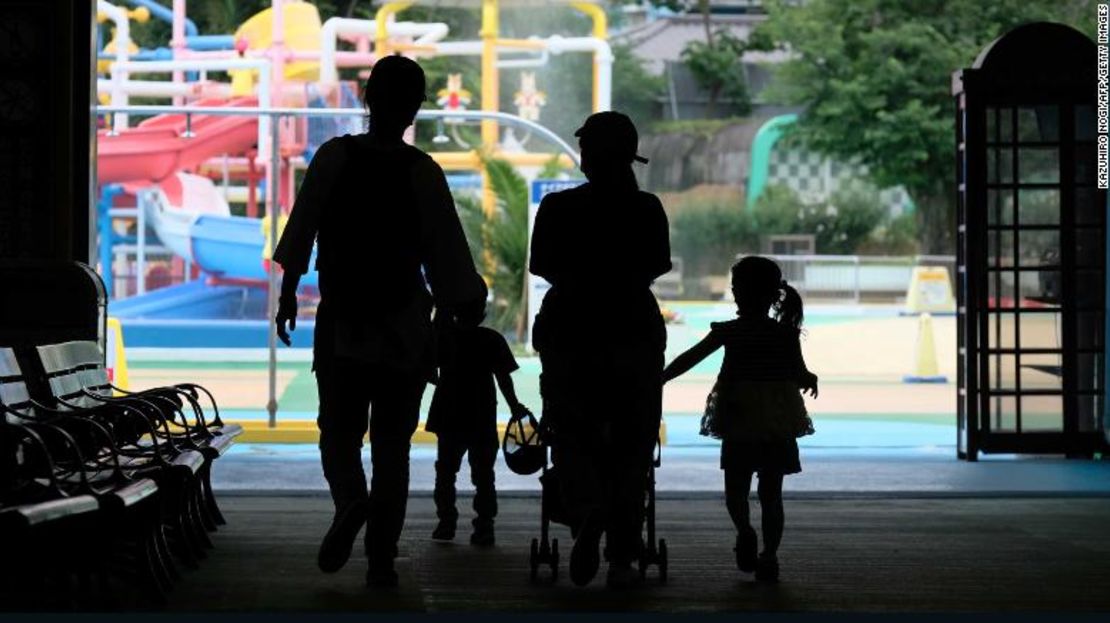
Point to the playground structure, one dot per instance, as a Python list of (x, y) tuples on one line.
[(241, 141)]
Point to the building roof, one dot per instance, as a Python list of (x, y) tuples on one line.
[(663, 39)]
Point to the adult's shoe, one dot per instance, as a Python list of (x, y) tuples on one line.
[(584, 556), (335, 549)]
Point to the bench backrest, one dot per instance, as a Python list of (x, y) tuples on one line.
[(74, 367), (13, 386)]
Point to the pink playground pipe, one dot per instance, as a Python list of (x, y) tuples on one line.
[(345, 58), (177, 43)]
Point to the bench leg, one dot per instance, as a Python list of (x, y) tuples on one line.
[(196, 520), (210, 500)]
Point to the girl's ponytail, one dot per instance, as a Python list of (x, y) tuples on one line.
[(788, 310)]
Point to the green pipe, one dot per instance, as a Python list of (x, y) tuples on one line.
[(765, 138)]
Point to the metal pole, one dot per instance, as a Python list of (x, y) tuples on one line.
[(856, 261), (140, 259), (272, 292)]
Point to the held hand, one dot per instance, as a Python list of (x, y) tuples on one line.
[(519, 410), (287, 312)]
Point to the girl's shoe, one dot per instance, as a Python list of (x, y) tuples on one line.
[(767, 569), (747, 549)]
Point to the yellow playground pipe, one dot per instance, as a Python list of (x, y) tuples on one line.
[(490, 93), (469, 160), (601, 31), (523, 44), (381, 46)]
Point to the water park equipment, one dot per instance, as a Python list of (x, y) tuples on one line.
[(799, 169), (282, 56)]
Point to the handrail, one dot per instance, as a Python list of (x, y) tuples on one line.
[(501, 117)]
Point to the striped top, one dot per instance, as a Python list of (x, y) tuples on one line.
[(758, 350)]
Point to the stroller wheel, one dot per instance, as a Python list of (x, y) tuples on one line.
[(663, 560), (534, 559)]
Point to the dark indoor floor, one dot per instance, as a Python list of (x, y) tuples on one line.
[(839, 554)]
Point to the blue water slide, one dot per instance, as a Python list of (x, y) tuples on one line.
[(231, 247)]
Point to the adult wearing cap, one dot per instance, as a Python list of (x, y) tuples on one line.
[(601, 338), (386, 230)]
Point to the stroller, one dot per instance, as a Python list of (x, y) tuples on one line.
[(544, 550)]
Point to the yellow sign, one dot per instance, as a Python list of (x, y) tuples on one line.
[(116, 361), (930, 291)]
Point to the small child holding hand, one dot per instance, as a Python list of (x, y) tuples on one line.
[(463, 415)]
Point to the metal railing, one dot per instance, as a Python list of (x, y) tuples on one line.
[(271, 144), (853, 277)]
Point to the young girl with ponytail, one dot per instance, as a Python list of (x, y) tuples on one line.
[(755, 408)]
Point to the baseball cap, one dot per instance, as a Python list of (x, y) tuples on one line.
[(615, 130)]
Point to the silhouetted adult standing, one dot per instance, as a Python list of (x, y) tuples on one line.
[(380, 212), (601, 338)]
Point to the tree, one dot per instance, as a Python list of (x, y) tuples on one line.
[(874, 76), (636, 92), (716, 62), (504, 236)]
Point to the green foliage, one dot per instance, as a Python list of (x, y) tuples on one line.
[(706, 127), (469, 207), (504, 237), (636, 92), (707, 235), (709, 232), (715, 66), (874, 77), (899, 236), (839, 225), (552, 168)]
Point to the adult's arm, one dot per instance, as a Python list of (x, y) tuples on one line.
[(658, 260), (448, 265), (294, 248), (542, 255)]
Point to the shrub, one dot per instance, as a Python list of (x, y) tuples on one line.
[(840, 225), (708, 234)]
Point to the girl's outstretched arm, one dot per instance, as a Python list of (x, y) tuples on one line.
[(682, 363)]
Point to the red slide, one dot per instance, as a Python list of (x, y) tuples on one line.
[(156, 147)]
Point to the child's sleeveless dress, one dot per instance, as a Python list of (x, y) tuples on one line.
[(756, 407)]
